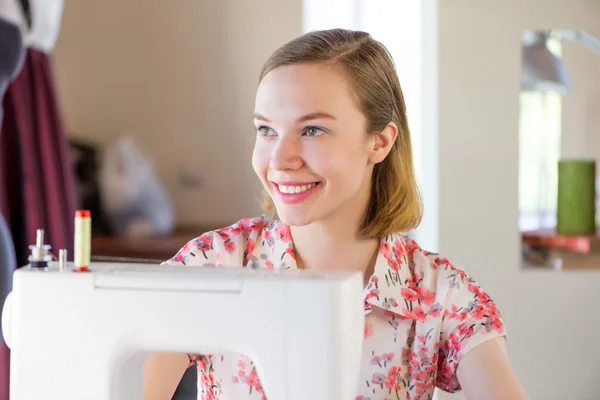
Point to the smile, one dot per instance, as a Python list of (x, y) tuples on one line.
[(295, 189), (291, 193)]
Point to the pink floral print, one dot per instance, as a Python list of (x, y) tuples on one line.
[(422, 314)]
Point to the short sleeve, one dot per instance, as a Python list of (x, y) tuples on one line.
[(470, 318)]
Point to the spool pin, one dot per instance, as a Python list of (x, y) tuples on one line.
[(62, 260)]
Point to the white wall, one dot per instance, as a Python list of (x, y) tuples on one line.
[(181, 78), (552, 318)]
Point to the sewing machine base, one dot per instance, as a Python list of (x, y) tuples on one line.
[(87, 335)]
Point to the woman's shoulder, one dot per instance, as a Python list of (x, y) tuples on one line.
[(232, 245), (452, 287), (423, 262)]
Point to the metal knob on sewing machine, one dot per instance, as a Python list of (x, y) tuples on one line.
[(40, 252)]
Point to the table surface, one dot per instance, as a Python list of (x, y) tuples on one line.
[(155, 248)]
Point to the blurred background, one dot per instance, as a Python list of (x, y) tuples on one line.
[(141, 111)]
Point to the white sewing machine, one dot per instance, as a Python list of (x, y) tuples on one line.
[(86, 335)]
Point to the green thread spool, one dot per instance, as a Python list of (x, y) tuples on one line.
[(576, 206)]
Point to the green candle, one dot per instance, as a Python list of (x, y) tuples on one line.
[(576, 206)]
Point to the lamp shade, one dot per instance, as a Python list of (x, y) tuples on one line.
[(542, 71)]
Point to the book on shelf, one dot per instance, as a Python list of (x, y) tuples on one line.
[(548, 238)]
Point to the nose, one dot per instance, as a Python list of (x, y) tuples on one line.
[(286, 154)]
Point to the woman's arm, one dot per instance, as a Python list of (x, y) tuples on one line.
[(223, 247), (485, 372), (162, 374)]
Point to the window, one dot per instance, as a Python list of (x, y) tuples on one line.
[(397, 24), (539, 151)]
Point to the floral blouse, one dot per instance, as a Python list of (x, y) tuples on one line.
[(422, 315)]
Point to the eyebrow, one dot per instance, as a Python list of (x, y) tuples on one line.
[(307, 117)]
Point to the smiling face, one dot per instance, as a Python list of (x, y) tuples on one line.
[(312, 152)]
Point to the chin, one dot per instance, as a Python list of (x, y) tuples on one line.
[(293, 217)]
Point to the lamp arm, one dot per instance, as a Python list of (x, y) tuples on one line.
[(592, 42)]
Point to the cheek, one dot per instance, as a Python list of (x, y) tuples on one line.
[(260, 160), (343, 166)]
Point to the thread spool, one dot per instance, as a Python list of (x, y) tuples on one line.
[(83, 240)]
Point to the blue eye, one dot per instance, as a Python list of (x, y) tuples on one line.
[(313, 131)]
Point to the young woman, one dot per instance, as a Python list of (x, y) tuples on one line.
[(334, 155)]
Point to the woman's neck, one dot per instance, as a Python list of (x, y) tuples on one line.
[(334, 246)]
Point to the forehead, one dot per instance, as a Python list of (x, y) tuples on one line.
[(304, 88)]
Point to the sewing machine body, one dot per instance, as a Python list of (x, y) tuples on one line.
[(86, 335)]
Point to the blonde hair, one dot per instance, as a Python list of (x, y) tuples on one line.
[(395, 204)]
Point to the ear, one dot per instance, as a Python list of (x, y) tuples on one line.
[(381, 144)]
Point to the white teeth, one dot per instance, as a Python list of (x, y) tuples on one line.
[(295, 189)]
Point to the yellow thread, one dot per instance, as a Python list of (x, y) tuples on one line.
[(83, 238)]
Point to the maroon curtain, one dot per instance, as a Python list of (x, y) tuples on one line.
[(37, 178)]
